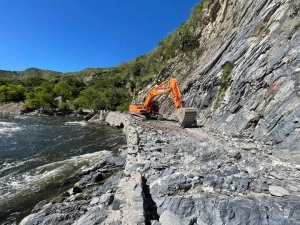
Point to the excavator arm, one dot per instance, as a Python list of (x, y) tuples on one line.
[(176, 94), (164, 88)]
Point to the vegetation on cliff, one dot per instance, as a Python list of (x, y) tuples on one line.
[(225, 82)]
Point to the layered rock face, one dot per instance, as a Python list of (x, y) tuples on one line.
[(258, 94)]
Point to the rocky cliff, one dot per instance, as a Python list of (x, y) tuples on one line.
[(245, 78)]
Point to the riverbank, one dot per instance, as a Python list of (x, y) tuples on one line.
[(169, 175), (17, 109), (11, 109), (40, 156)]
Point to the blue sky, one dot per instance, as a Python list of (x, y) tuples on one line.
[(70, 35)]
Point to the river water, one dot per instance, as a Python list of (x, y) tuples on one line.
[(40, 155)]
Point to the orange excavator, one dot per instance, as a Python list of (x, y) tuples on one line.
[(150, 108)]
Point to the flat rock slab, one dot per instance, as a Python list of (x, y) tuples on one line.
[(278, 191)]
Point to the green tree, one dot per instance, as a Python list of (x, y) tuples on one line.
[(16, 93), (117, 97), (3, 93), (76, 85), (88, 99), (12, 93), (63, 89), (32, 82), (3, 81), (42, 97), (32, 101)]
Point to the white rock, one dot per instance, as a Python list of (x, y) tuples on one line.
[(94, 201), (278, 191), (106, 198)]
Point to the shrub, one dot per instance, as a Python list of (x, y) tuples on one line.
[(206, 104), (124, 106), (225, 82), (226, 71), (219, 98)]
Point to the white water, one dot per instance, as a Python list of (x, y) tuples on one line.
[(39, 157), (7, 128), (37, 179), (82, 123)]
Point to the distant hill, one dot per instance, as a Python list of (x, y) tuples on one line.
[(30, 72), (85, 75)]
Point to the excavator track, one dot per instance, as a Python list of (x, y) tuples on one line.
[(137, 116)]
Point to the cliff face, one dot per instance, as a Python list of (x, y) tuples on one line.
[(246, 80)]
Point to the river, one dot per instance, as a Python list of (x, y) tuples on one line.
[(40, 155)]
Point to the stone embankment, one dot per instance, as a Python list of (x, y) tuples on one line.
[(169, 175)]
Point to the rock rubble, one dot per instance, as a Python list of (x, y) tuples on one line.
[(207, 178), (191, 176)]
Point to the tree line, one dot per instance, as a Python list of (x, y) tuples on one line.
[(66, 94)]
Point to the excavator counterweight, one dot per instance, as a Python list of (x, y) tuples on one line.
[(150, 108)]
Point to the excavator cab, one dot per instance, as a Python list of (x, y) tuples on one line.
[(155, 107)]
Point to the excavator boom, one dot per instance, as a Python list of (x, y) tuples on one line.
[(186, 116)]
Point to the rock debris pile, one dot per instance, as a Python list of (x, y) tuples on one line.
[(204, 179)]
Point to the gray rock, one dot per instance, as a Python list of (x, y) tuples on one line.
[(168, 184), (248, 146), (276, 175), (116, 223), (168, 218), (106, 198), (138, 220), (117, 203), (57, 213), (91, 217), (109, 184), (278, 191), (55, 218), (235, 154), (94, 201), (200, 221)]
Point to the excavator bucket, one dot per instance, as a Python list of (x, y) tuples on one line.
[(186, 116)]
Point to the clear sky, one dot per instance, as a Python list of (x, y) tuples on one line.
[(70, 35)]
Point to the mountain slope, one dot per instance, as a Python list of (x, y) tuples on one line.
[(246, 80)]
